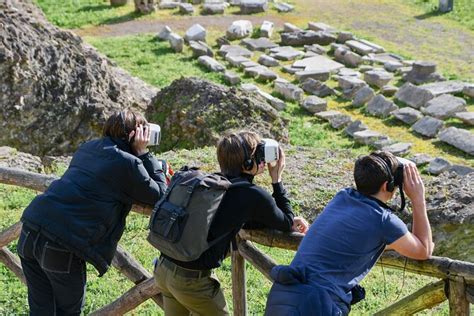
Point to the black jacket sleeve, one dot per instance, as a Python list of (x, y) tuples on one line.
[(272, 212), (148, 182)]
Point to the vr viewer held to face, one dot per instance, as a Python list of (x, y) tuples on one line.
[(348, 237), (81, 216), (200, 215)]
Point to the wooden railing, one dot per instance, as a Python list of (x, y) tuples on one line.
[(456, 282)]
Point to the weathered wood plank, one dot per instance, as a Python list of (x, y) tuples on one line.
[(10, 234), (12, 262), (426, 297), (258, 259), (130, 299), (458, 303), (133, 270), (26, 179), (239, 284)]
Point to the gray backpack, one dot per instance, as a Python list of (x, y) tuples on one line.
[(180, 222)]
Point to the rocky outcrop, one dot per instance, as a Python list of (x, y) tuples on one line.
[(194, 113), (56, 91)]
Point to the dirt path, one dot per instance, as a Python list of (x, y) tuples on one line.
[(401, 28)]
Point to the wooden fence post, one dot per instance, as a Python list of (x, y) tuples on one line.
[(239, 284), (458, 303), (12, 262)]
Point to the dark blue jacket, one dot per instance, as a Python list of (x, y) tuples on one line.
[(290, 295), (85, 209)]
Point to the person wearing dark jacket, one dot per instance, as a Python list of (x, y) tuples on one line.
[(192, 287), (81, 217)]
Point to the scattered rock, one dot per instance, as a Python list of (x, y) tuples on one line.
[(290, 69), (444, 87), (234, 50), (200, 49), (319, 75), (314, 104), (176, 42), (10, 157), (438, 166), (377, 48), (253, 6), (392, 66), (347, 72), (319, 26), (277, 104), (283, 7), (389, 91), (168, 5), (466, 117), (195, 33), (317, 88), (321, 63), (268, 61), (211, 64), (428, 126), (381, 107), (413, 96), (212, 8), (355, 126), (363, 96), (196, 113), (461, 170), (261, 44), (350, 86), (315, 48), (288, 28), (221, 41), (186, 8), (347, 57), (239, 29), (359, 47), (164, 33), (368, 137), (302, 38), (468, 90), (261, 73), (444, 106), (288, 90), (421, 159), (248, 64), (422, 72), (460, 138), (340, 121), (407, 115), (266, 30), (383, 58), (285, 53), (236, 60), (328, 115), (398, 149), (378, 77), (231, 78), (343, 37)]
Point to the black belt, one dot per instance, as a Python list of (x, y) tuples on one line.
[(187, 273)]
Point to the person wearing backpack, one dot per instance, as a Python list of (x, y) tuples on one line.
[(190, 286), (81, 216)]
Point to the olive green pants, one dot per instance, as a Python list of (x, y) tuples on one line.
[(189, 296)]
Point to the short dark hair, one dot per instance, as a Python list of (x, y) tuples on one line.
[(121, 123), (370, 173), (230, 151)]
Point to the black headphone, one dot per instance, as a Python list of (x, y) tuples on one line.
[(391, 179), (248, 161)]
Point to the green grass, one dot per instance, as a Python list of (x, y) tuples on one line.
[(381, 290), (71, 14), (463, 11), (152, 61)]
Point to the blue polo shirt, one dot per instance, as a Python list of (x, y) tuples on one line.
[(345, 241)]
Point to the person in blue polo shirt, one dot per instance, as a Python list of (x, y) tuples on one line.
[(348, 237)]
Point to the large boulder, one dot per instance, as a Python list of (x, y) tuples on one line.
[(194, 113), (56, 91)]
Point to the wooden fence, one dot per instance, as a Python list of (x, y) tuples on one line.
[(456, 282)]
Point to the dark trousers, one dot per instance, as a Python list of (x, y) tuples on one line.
[(56, 278)]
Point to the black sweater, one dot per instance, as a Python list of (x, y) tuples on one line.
[(252, 206)]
